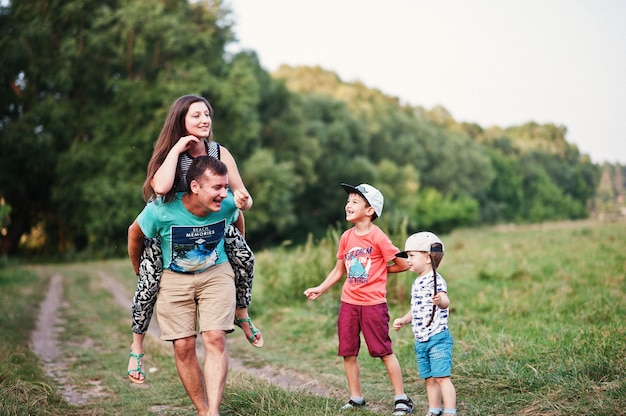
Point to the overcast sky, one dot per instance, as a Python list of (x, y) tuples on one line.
[(491, 62)]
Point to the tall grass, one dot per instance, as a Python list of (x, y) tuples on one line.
[(538, 316), (538, 321)]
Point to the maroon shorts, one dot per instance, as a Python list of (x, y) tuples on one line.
[(372, 321)]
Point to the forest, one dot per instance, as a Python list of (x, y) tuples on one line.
[(86, 84)]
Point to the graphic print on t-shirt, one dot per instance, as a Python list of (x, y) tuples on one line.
[(358, 263), (194, 248)]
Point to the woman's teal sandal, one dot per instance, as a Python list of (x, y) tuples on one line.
[(252, 340), (137, 370)]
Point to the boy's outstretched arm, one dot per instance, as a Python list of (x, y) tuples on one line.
[(333, 277), (400, 322), (398, 265)]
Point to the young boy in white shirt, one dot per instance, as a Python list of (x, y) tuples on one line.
[(428, 317)]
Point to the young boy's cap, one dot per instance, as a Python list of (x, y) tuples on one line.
[(372, 195), (424, 241)]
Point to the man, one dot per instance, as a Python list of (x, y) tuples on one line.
[(198, 281)]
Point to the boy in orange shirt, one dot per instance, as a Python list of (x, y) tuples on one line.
[(364, 255)]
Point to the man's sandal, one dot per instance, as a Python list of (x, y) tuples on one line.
[(137, 357), (252, 340)]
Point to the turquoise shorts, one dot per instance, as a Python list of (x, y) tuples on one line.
[(434, 357)]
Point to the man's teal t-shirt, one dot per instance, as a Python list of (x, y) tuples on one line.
[(190, 243)]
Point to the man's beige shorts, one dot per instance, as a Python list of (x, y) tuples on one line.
[(214, 292)]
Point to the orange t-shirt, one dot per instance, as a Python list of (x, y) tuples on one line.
[(366, 258)]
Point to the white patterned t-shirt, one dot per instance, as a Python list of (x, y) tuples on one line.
[(422, 307)]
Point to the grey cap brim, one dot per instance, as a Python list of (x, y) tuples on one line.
[(405, 254), (351, 190)]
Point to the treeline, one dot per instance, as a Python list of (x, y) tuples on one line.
[(86, 84), (609, 200)]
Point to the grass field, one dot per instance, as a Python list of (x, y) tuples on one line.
[(538, 321)]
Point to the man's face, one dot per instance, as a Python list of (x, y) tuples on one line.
[(211, 190)]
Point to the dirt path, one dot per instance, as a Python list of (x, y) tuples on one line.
[(45, 343)]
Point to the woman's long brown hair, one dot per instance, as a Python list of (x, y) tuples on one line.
[(173, 129)]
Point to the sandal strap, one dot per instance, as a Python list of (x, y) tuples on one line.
[(137, 357), (254, 332), (252, 327), (406, 402)]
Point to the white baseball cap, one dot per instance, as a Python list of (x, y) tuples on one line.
[(372, 195), (424, 241)]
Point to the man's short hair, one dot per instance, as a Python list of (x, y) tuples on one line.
[(202, 164)]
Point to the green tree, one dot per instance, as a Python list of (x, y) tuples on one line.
[(443, 213), (505, 194), (543, 199), (542, 138), (41, 111), (274, 184), (336, 138), (87, 84), (236, 101), (90, 83)]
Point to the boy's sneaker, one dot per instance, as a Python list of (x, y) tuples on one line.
[(434, 414), (403, 407), (352, 405)]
